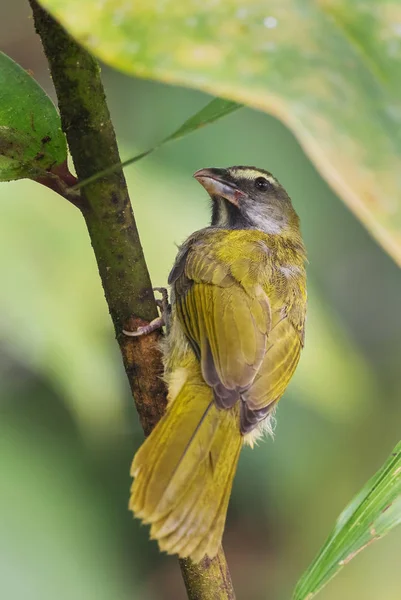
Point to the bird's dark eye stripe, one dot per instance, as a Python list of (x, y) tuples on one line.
[(263, 184)]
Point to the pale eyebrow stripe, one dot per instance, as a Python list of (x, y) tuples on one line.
[(253, 174)]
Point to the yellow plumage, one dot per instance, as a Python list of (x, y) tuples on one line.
[(235, 337)]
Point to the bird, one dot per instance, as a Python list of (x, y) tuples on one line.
[(235, 332)]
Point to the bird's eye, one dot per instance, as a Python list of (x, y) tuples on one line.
[(262, 184)]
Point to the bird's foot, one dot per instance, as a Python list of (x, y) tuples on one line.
[(146, 329), (164, 307)]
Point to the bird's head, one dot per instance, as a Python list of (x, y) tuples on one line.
[(249, 198)]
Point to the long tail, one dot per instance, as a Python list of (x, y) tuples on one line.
[(184, 473)]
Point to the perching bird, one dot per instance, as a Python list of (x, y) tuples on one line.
[(234, 338)]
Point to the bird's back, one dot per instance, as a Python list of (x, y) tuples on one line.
[(239, 302)]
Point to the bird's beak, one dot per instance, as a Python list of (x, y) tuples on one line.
[(217, 183)]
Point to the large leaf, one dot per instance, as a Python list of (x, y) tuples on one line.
[(31, 139), (330, 70), (371, 514)]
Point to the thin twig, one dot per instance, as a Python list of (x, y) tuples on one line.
[(108, 214), (60, 180)]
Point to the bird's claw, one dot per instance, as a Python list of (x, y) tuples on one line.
[(163, 303), (164, 307)]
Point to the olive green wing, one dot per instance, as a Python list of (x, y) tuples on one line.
[(225, 317), (278, 366)]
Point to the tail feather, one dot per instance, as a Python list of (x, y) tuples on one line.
[(158, 456), (213, 542), (184, 473), (203, 532)]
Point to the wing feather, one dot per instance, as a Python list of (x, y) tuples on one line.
[(277, 368)]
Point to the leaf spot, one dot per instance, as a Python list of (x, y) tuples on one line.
[(353, 554), (270, 22)]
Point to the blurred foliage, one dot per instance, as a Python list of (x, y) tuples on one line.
[(52, 535), (330, 70), (31, 139), (68, 428)]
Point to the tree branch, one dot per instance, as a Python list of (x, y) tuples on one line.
[(107, 210)]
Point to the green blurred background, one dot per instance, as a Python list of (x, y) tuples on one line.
[(68, 428)]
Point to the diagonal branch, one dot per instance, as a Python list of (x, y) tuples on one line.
[(108, 214)]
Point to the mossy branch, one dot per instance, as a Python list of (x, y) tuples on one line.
[(107, 211)]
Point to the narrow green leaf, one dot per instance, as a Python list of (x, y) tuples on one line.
[(371, 514), (329, 70), (216, 109), (31, 139)]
